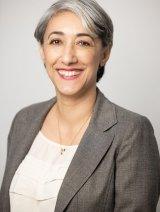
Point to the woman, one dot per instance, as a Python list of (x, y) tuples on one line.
[(79, 152)]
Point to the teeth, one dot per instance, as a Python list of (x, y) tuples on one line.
[(68, 73)]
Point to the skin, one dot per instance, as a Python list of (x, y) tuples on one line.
[(65, 47)]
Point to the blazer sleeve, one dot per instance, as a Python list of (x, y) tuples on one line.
[(3, 191), (137, 183)]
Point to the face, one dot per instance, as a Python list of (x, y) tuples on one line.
[(71, 55)]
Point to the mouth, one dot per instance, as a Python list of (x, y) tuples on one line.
[(69, 74)]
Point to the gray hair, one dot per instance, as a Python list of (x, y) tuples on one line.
[(96, 21)]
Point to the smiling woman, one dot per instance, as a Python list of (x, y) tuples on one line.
[(79, 152), (71, 55)]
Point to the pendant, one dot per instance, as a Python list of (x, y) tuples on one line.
[(62, 150)]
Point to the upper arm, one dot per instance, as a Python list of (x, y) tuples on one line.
[(10, 133), (137, 184)]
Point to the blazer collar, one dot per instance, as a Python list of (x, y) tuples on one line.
[(104, 114)]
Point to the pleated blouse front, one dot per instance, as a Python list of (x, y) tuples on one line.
[(37, 180)]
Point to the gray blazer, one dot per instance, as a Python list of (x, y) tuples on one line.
[(116, 167)]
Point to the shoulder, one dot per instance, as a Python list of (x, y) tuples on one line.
[(33, 111), (26, 116), (133, 131), (122, 116), (128, 121), (132, 128), (126, 116)]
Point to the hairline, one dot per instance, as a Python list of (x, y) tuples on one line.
[(90, 33)]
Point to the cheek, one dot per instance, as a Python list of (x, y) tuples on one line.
[(50, 59), (91, 59), (50, 56)]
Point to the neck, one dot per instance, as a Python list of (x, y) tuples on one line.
[(71, 109)]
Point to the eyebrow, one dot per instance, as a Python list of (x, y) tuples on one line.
[(78, 34)]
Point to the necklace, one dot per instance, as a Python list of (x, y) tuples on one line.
[(62, 150)]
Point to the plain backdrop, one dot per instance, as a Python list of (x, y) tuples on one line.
[(132, 77)]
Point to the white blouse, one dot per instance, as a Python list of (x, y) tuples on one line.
[(37, 180)]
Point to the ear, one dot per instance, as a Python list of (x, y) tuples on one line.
[(41, 51), (105, 55)]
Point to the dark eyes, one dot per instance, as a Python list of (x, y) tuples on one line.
[(54, 42), (59, 42), (84, 43)]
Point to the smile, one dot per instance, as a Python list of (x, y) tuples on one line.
[(69, 75)]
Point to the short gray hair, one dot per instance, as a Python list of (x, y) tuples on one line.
[(96, 21)]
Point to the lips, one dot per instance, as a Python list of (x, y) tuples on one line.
[(69, 74)]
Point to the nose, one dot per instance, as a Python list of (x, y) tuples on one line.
[(69, 55)]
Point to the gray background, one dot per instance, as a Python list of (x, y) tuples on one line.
[(132, 73)]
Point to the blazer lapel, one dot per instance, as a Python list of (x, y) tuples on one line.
[(92, 148)]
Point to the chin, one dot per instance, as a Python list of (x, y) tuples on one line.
[(70, 91), (74, 89)]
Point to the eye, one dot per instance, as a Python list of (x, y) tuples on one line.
[(55, 42), (84, 43)]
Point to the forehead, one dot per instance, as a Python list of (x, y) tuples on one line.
[(67, 22)]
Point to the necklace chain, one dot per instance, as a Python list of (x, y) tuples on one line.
[(60, 137)]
